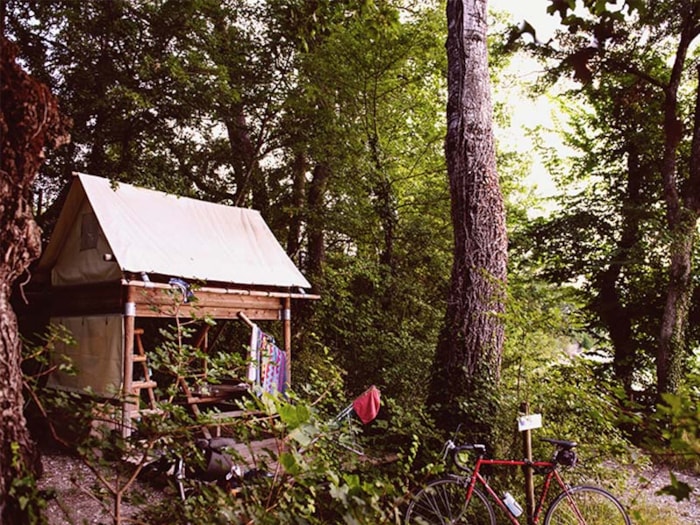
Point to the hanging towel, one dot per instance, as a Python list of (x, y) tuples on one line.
[(254, 358), (366, 406)]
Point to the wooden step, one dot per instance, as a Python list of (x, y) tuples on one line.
[(140, 359), (138, 385), (226, 415), (151, 411)]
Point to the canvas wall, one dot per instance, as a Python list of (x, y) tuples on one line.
[(81, 259), (97, 355)]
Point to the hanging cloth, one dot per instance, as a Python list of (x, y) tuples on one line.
[(268, 363), (366, 406), (254, 357)]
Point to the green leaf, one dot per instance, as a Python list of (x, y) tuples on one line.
[(294, 416), (289, 463), (678, 489), (304, 434), (340, 493)]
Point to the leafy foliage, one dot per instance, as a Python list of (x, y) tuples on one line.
[(328, 117), (676, 421), (616, 233)]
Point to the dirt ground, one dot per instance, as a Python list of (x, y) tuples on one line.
[(78, 496), (75, 487), (644, 486)]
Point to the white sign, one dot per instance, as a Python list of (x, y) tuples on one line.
[(529, 422)]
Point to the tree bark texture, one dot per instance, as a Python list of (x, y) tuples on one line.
[(468, 355), (29, 121), (682, 212), (609, 304)]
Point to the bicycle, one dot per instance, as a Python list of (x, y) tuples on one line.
[(456, 499)]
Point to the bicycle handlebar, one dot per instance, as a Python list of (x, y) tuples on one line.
[(455, 451), (459, 460)]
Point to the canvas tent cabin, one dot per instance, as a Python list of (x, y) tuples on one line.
[(119, 254)]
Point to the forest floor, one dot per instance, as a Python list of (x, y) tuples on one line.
[(79, 498)]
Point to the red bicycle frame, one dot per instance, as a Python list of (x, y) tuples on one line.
[(543, 466)]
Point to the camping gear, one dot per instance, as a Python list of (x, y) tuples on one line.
[(221, 467)]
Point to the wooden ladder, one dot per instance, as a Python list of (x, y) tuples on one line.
[(146, 383)]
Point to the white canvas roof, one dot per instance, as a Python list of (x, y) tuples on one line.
[(154, 232)]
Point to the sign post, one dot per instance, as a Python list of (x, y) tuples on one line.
[(526, 423)]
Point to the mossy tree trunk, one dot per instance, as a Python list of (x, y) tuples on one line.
[(29, 121), (682, 213)]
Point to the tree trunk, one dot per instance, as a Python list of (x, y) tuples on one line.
[(299, 168), (609, 305), (315, 222), (468, 356), (384, 205), (29, 120), (674, 323), (243, 153), (683, 211)]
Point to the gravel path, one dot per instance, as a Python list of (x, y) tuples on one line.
[(80, 499), (75, 487), (645, 485)]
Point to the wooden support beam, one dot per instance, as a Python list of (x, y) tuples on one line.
[(287, 319), (128, 358), (155, 302), (245, 319)]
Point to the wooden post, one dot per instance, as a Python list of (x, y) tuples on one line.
[(287, 317), (129, 325), (245, 319), (527, 470)]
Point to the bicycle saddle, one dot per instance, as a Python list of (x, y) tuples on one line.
[(566, 445)]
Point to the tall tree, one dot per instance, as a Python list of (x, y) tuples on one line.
[(368, 121), (468, 355), (637, 71), (605, 234), (29, 121)]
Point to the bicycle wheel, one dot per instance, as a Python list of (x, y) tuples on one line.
[(586, 506), (443, 502)]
